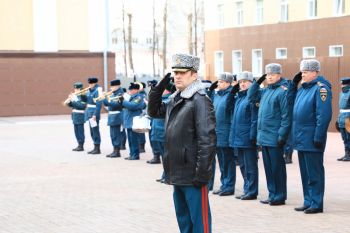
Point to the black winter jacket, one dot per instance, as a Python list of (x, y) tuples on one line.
[(190, 138)]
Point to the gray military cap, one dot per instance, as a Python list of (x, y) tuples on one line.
[(245, 75), (227, 77), (184, 62), (273, 68), (310, 65)]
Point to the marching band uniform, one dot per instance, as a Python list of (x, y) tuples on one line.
[(115, 117)]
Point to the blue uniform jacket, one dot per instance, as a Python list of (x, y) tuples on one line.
[(133, 107), (223, 112), (274, 115), (93, 109), (344, 104), (79, 105), (244, 122), (311, 114), (158, 130), (115, 108)]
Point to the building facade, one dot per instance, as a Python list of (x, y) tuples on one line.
[(248, 34)]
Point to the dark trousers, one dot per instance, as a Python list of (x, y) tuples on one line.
[(192, 209), (123, 137), (346, 138), (142, 138), (95, 134), (79, 133), (115, 134), (133, 139), (312, 177), (275, 171), (250, 160), (227, 168), (159, 147)]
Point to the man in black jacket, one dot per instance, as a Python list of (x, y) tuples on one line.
[(190, 142)]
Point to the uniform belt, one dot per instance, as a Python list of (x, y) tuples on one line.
[(78, 111), (91, 106), (344, 110), (113, 112)]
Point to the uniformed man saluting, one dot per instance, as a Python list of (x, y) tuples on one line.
[(311, 116)]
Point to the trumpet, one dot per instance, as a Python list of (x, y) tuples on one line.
[(81, 92), (115, 98), (103, 96)]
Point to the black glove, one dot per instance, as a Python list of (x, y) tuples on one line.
[(198, 184), (318, 144), (261, 79), (281, 143), (121, 99), (297, 78), (213, 86), (164, 82), (235, 89)]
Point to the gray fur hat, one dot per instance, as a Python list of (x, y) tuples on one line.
[(310, 65), (227, 77), (245, 75), (273, 68), (184, 62)]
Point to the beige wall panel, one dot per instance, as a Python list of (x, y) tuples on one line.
[(72, 20), (16, 25)]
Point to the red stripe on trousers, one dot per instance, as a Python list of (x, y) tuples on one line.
[(205, 209)]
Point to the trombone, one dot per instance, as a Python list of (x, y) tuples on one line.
[(70, 97)]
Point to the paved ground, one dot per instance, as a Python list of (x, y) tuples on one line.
[(47, 188)]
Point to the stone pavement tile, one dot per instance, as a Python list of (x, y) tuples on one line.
[(45, 187)]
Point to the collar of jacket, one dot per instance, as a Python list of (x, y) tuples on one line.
[(189, 91), (223, 92), (242, 93), (312, 83), (277, 84), (345, 89), (119, 90), (94, 88)]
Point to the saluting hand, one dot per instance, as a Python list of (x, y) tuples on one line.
[(213, 86), (164, 82), (261, 79), (297, 78), (235, 89)]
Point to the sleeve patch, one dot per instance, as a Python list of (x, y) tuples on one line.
[(323, 94), (137, 100)]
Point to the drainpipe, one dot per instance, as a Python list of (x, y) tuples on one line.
[(105, 51)]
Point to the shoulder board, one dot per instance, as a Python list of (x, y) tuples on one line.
[(284, 87), (320, 84)]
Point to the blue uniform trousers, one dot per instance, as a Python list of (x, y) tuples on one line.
[(95, 134), (312, 177), (115, 135), (133, 139), (346, 138), (251, 177), (239, 157), (123, 137), (227, 168), (192, 209), (79, 133), (142, 138), (275, 171)]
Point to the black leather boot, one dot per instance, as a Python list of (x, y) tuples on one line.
[(347, 156), (142, 148), (80, 147), (122, 147), (155, 159), (96, 150), (116, 153), (288, 158)]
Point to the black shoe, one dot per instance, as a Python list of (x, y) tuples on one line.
[(161, 180), (80, 147), (301, 208), (275, 203), (122, 147), (96, 150), (313, 211), (218, 191), (226, 193), (248, 197), (239, 196), (341, 159), (267, 201), (109, 155), (346, 159), (115, 154), (155, 160), (133, 158), (127, 158)]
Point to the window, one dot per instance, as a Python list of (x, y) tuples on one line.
[(309, 52), (336, 50), (259, 16), (257, 62), (339, 7), (284, 11), (281, 53), (236, 61), (239, 13), (220, 15), (219, 63), (312, 8)]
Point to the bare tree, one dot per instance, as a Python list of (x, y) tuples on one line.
[(165, 18), (190, 45), (124, 39), (130, 42)]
